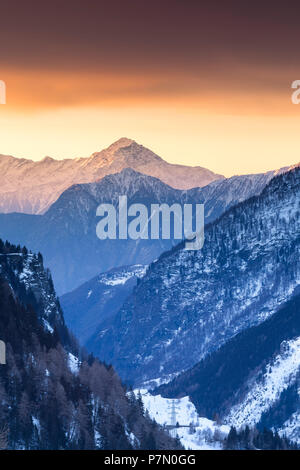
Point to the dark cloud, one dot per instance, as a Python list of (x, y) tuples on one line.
[(168, 47), (135, 34)]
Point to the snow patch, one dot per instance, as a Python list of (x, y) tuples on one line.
[(89, 294), (115, 279), (74, 363)]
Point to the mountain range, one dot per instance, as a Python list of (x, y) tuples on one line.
[(217, 330), (32, 186), (190, 303), (66, 233)]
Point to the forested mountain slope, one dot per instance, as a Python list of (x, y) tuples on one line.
[(52, 396), (189, 303)]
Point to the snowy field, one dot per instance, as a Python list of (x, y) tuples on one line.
[(194, 432)]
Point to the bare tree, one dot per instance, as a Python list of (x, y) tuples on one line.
[(3, 438)]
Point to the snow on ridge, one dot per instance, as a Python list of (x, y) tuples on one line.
[(49, 178), (281, 373), (47, 326), (89, 294), (118, 278), (153, 383)]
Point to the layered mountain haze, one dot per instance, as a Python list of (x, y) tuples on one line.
[(32, 186), (66, 233)]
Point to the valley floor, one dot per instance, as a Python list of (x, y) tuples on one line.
[(180, 417)]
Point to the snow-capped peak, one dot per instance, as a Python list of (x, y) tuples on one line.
[(31, 187)]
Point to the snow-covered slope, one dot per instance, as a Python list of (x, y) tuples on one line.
[(31, 187), (291, 427), (253, 379), (180, 417), (280, 374)]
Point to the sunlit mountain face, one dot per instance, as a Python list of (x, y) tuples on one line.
[(31, 187)]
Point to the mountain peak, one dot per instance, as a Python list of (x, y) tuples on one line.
[(120, 143), (48, 178), (48, 159)]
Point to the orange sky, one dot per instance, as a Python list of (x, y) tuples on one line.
[(200, 85)]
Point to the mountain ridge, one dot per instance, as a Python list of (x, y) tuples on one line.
[(90, 304), (66, 233), (31, 187), (67, 230), (194, 309)]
